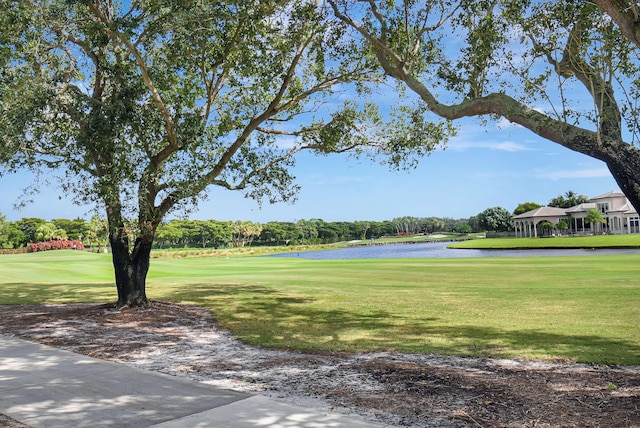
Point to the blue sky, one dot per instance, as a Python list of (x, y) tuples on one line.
[(484, 166), (497, 164)]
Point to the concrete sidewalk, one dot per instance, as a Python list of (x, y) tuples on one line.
[(42, 386)]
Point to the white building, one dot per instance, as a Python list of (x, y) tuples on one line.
[(619, 214)]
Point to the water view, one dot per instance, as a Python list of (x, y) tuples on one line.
[(440, 250)]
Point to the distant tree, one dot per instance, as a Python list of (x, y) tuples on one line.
[(595, 218), (49, 231), (525, 207), (432, 224), (244, 232), (189, 234), (97, 231), (450, 223), (206, 230), (474, 223), (364, 227), (563, 224), (462, 227), (329, 231), (28, 227), (381, 228), (16, 237), (568, 200), (307, 231), (495, 219), (5, 227), (407, 225), (196, 233), (168, 234), (279, 233), (547, 228), (221, 232), (75, 229)]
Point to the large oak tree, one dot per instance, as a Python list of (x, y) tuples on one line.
[(142, 108), (566, 70)]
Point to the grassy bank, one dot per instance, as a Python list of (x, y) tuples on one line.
[(596, 241), (241, 251), (580, 308)]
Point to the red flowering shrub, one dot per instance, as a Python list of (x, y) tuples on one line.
[(55, 245)]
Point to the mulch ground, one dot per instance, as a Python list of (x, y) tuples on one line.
[(399, 389)]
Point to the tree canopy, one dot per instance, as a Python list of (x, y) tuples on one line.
[(496, 219), (565, 70), (141, 107), (568, 200), (594, 216), (525, 206)]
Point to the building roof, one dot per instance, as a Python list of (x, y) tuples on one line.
[(581, 207), (630, 209), (625, 209), (612, 194), (543, 212), (552, 212)]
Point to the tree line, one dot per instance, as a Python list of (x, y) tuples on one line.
[(185, 233)]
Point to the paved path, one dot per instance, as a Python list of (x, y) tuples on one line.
[(42, 386)]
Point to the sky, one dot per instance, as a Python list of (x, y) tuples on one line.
[(498, 164)]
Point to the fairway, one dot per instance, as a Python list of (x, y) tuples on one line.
[(579, 308)]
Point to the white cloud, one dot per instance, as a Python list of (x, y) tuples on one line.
[(577, 173), (505, 124), (510, 146), (505, 146)]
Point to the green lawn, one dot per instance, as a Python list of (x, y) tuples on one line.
[(596, 241), (580, 308)]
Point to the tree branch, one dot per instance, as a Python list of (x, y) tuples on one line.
[(173, 146), (570, 136), (601, 91), (626, 14)]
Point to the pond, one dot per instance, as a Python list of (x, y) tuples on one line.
[(439, 250)]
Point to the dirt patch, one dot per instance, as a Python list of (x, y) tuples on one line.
[(392, 388), (6, 422)]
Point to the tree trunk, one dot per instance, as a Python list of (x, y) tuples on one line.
[(624, 164), (131, 269)]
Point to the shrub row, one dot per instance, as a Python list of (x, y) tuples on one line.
[(55, 245), (13, 250)]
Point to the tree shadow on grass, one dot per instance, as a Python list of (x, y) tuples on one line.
[(22, 293), (263, 316)]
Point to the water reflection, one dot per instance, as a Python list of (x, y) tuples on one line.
[(440, 250)]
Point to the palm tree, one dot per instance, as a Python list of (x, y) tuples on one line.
[(593, 216), (547, 228), (568, 200)]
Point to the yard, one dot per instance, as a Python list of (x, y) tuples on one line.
[(406, 319), (585, 309)]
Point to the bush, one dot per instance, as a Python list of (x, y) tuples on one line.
[(13, 250), (62, 244)]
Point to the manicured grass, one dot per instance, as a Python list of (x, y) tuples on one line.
[(596, 241), (579, 308), (56, 277)]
